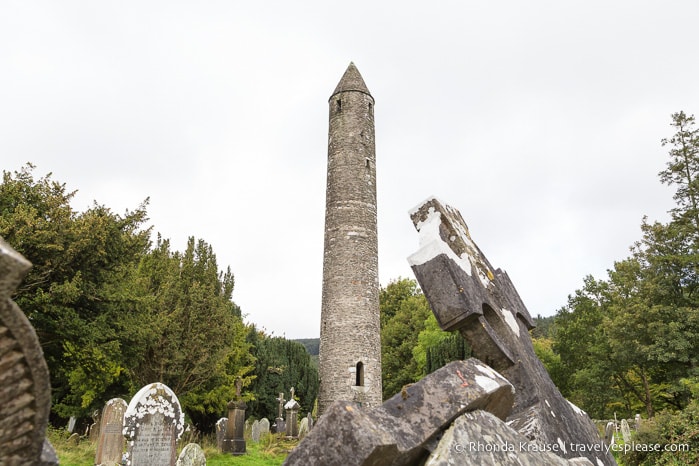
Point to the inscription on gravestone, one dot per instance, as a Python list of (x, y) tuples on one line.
[(156, 442)]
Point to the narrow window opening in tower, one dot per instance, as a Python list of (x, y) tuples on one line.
[(359, 374), (370, 106), (339, 105)]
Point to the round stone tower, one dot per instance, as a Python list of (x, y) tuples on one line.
[(350, 331)]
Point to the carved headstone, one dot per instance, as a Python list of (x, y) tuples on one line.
[(95, 426), (221, 432), (625, 431), (468, 295), (71, 424), (234, 443), (255, 435), (279, 426), (637, 422), (73, 440), (303, 427), (399, 432), (264, 426), (25, 393), (310, 420), (110, 445), (609, 430), (153, 423), (292, 412), (191, 455)]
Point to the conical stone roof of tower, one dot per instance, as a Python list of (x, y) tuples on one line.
[(351, 81)]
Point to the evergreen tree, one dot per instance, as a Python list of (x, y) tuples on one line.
[(193, 338), (78, 294), (280, 365)]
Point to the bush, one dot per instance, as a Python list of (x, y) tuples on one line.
[(678, 430)]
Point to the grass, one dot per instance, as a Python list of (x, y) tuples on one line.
[(270, 451)]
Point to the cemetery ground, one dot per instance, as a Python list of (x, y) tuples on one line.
[(270, 451)]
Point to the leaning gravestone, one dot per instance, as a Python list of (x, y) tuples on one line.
[(110, 445), (468, 295), (191, 455), (25, 392), (71, 424), (153, 423)]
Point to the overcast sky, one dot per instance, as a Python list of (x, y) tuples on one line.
[(540, 121)]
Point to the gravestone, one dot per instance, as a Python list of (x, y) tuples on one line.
[(637, 422), (25, 391), (191, 455), (310, 420), (609, 430), (625, 431), (264, 426), (234, 443), (303, 427), (401, 431), (292, 413), (153, 423), (467, 294), (279, 425), (95, 426), (71, 424), (255, 435), (110, 444), (221, 432), (73, 440)]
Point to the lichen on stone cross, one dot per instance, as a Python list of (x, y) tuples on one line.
[(467, 294)]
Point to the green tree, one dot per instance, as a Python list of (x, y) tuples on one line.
[(404, 310), (77, 295), (683, 168), (628, 342), (280, 365), (193, 338)]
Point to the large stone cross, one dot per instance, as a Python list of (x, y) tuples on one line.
[(468, 295)]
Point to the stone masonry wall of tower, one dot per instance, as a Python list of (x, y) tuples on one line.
[(350, 334)]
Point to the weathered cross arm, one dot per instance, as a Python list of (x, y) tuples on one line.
[(468, 295)]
